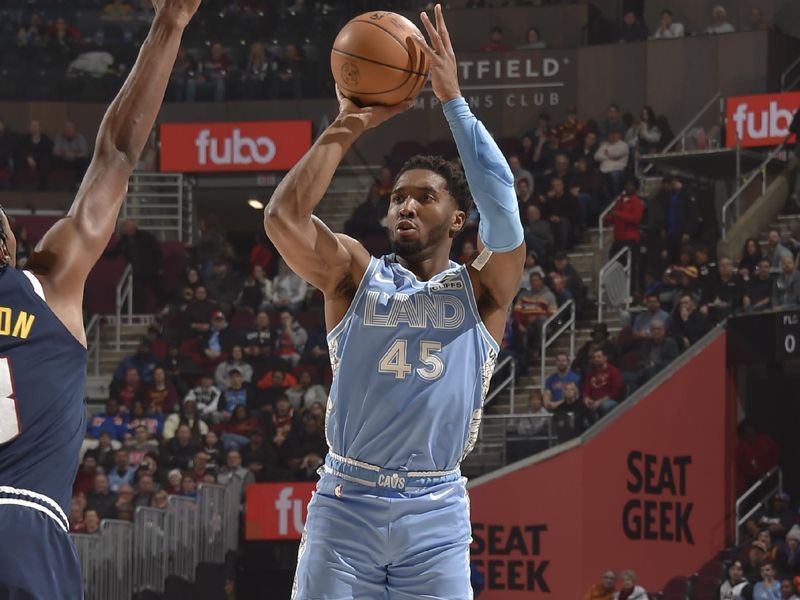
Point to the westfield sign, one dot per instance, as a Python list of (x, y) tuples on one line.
[(243, 146), (760, 120)]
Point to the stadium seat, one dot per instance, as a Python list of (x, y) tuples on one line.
[(61, 180), (242, 319)]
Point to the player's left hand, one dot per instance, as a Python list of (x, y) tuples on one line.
[(444, 68)]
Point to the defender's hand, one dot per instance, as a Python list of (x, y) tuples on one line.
[(179, 12), (444, 68), (370, 116)]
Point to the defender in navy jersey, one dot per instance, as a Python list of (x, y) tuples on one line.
[(413, 339), (43, 343)]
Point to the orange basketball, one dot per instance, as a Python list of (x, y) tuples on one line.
[(374, 60)]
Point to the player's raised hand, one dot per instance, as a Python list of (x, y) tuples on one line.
[(179, 11), (370, 116), (444, 68)]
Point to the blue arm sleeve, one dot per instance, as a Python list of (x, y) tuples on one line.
[(489, 176)]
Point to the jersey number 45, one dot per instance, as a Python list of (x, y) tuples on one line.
[(394, 360)]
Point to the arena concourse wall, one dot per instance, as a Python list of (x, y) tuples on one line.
[(648, 491)]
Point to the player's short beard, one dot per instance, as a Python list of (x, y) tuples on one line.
[(411, 248)]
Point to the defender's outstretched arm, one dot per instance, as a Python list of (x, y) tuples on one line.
[(65, 255), (324, 259)]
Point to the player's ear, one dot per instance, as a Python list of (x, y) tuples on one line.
[(459, 220)]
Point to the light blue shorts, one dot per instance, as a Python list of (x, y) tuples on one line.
[(367, 543)]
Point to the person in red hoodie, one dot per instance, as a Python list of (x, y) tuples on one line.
[(625, 218), (603, 386)]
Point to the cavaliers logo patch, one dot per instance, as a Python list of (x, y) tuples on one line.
[(350, 74)]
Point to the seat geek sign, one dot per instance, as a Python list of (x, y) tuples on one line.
[(235, 146)]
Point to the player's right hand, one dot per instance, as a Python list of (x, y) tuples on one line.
[(179, 11), (370, 116)]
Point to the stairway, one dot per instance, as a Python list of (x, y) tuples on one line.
[(98, 384)]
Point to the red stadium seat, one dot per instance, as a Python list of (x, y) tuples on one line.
[(242, 319)]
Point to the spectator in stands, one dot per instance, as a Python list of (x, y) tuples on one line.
[(291, 339), (237, 393), (555, 383), (533, 40), (76, 523), (145, 490), (626, 217), (205, 398), (144, 362), (123, 507), (572, 278), (751, 256), (758, 291), (776, 251), (33, 33), (111, 421), (273, 384), (213, 446), (233, 468), (655, 353), (612, 122), (306, 392), (667, 27), (535, 424), (632, 30), (236, 361), (160, 396), (188, 486), (570, 132), (306, 449), (587, 149), (180, 448), (776, 517), (256, 288), (122, 473), (519, 172), (644, 135), (180, 368), (531, 309), (525, 196), (220, 339), (496, 42), (538, 233), (199, 312), (787, 557), (140, 445), (200, 467), (211, 75), (129, 390), (183, 69), (288, 81), (734, 584), (106, 446), (571, 417), (603, 590), (788, 590), (236, 431), (722, 295), (259, 457), (768, 588), (101, 499), (263, 336), (719, 21), (222, 285), (600, 339), (369, 217), (586, 184), (34, 157), (755, 454), (674, 212), (174, 477), (786, 286), (756, 21), (687, 324), (288, 290), (142, 252), (255, 76), (24, 247), (189, 415), (643, 321), (71, 150), (563, 212), (612, 159), (316, 352), (558, 285), (84, 478), (91, 521), (603, 386), (629, 590)]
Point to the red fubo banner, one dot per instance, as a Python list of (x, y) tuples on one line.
[(276, 511), (761, 120), (242, 146)]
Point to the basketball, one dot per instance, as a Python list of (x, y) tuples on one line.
[(375, 61)]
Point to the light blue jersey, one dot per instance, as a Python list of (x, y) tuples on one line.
[(411, 363)]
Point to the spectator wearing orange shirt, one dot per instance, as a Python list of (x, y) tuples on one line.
[(570, 131), (603, 590)]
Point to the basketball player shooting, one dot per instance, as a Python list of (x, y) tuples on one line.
[(43, 343), (413, 340)]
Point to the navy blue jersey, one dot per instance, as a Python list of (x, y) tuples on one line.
[(42, 383)]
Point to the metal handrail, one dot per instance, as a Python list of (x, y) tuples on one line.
[(682, 133), (569, 306), (603, 214), (741, 520), (93, 343), (482, 443), (626, 251), (786, 73), (124, 300), (508, 381), (735, 198)]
